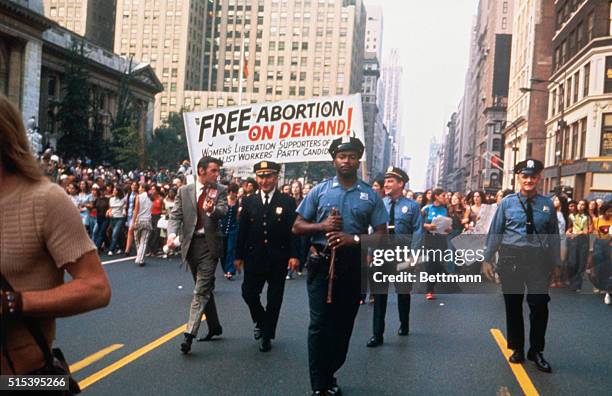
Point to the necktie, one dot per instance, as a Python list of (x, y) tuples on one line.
[(392, 218), (266, 197), (530, 225), (201, 199)]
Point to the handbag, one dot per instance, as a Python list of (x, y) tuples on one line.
[(55, 362)]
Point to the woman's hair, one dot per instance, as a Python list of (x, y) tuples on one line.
[(436, 193), (586, 206), (564, 209), (120, 193), (470, 197), (15, 155)]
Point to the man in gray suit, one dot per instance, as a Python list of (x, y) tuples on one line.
[(197, 210)]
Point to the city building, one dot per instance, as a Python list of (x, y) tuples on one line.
[(579, 123), (446, 158), (34, 55), (267, 49), (524, 133), (92, 19), (375, 133), (374, 30), (433, 164), (392, 80), (171, 36), (491, 66)]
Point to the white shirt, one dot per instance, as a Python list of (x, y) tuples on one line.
[(263, 196)]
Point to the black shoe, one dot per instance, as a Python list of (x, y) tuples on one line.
[(374, 342), (211, 333), (266, 345), (334, 390), (186, 345), (319, 393), (539, 361), (517, 357), (257, 333), (403, 331)]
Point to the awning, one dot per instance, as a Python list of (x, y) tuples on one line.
[(605, 195)]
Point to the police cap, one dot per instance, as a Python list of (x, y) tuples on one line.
[(263, 168), (346, 143), (529, 167), (397, 173)]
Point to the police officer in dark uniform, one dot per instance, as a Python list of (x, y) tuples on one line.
[(334, 213), (266, 247), (524, 232), (404, 220)]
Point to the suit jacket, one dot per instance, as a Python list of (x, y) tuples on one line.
[(184, 216), (265, 240)]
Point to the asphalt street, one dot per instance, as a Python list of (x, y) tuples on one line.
[(132, 346)]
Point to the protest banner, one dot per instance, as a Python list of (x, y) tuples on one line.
[(284, 132)]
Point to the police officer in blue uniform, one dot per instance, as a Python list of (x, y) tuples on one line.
[(404, 220), (266, 248), (334, 214), (524, 232)]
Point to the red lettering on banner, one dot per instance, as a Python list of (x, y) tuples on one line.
[(285, 129), (309, 128), (258, 133), (321, 129), (295, 131), (350, 118)]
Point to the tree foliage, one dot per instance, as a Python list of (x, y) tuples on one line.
[(124, 148), (168, 147), (75, 106)]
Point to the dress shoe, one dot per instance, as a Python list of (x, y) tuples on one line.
[(211, 333), (403, 331), (517, 357), (186, 345), (266, 345), (334, 390), (539, 361), (374, 342), (257, 333), (319, 393)]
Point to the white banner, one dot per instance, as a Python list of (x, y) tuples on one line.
[(283, 132)]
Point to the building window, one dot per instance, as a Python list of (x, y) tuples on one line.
[(608, 76), (566, 143), (590, 24), (576, 82), (606, 136), (583, 132), (586, 77)]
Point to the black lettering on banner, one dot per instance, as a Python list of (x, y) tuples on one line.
[(244, 118), (205, 122)]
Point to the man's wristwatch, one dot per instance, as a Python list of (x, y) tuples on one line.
[(357, 239)]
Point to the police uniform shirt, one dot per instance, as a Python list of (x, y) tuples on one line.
[(408, 219), (509, 226), (360, 207)]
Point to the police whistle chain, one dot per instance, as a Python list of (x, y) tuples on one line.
[(332, 265)]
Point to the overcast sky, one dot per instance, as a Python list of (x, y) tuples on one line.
[(433, 38)]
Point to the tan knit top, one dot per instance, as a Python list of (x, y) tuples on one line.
[(40, 232)]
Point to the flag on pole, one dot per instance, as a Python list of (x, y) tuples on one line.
[(245, 67)]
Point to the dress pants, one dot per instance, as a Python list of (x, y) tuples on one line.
[(203, 265), (520, 268), (331, 325), (380, 310), (266, 318)]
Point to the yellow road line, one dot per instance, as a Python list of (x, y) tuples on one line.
[(94, 358), (132, 356), (518, 369)]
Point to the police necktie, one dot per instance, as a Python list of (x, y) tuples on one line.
[(530, 224), (266, 199), (392, 218)]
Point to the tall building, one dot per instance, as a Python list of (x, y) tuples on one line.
[(374, 30), (92, 19), (446, 159), (271, 49), (169, 35), (433, 164), (392, 80), (490, 68), (525, 134), (579, 123)]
